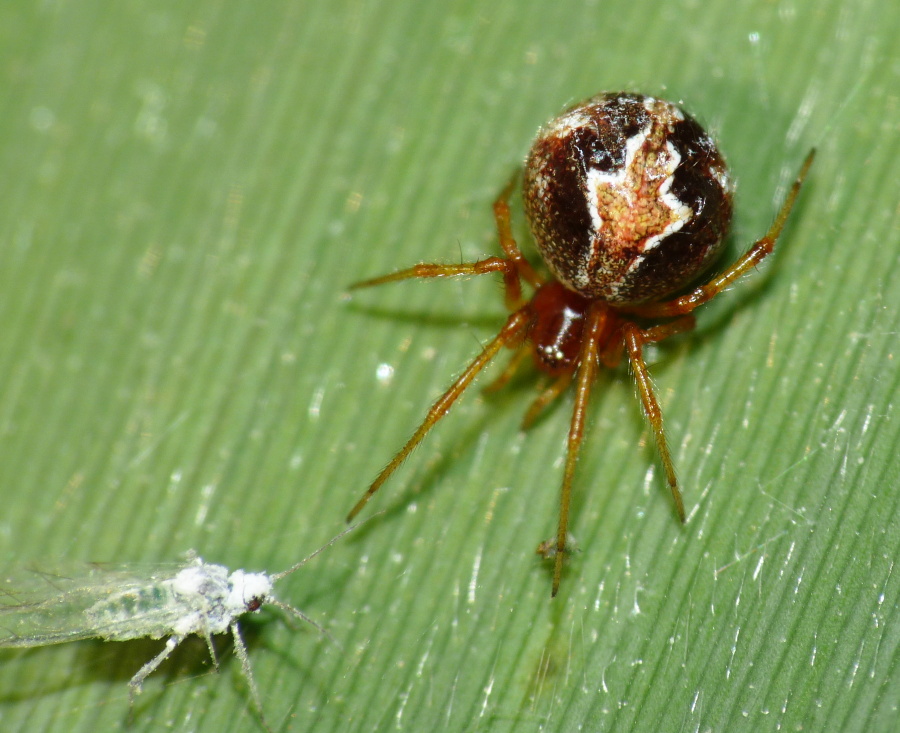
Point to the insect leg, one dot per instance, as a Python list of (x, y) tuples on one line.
[(137, 681), (240, 649), (212, 650)]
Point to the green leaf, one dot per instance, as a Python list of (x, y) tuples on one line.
[(187, 191)]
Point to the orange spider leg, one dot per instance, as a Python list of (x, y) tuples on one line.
[(509, 371), (750, 259), (556, 388), (513, 267), (672, 328), (510, 331), (507, 241), (425, 270), (611, 354), (594, 328), (635, 339)]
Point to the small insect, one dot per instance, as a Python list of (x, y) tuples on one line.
[(629, 202), (122, 602), (548, 549)]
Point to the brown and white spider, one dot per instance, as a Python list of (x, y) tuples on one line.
[(629, 201)]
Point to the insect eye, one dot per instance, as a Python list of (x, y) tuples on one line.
[(254, 604)]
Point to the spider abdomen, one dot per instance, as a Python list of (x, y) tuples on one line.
[(627, 197)]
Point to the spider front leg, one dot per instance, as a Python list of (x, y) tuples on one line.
[(510, 332), (481, 267), (514, 267)]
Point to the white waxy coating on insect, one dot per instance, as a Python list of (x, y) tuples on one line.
[(247, 586), (122, 602)]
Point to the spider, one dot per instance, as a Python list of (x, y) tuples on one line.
[(629, 201)]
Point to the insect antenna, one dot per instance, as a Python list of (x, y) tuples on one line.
[(294, 568), (297, 613)]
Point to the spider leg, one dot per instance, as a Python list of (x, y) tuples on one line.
[(548, 395), (672, 328), (594, 327), (507, 241), (634, 340), (750, 259), (510, 331), (514, 266), (509, 371), (481, 267)]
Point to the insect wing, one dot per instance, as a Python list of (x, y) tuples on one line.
[(50, 604)]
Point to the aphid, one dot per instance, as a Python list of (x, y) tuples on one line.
[(548, 549), (122, 602), (629, 202)]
